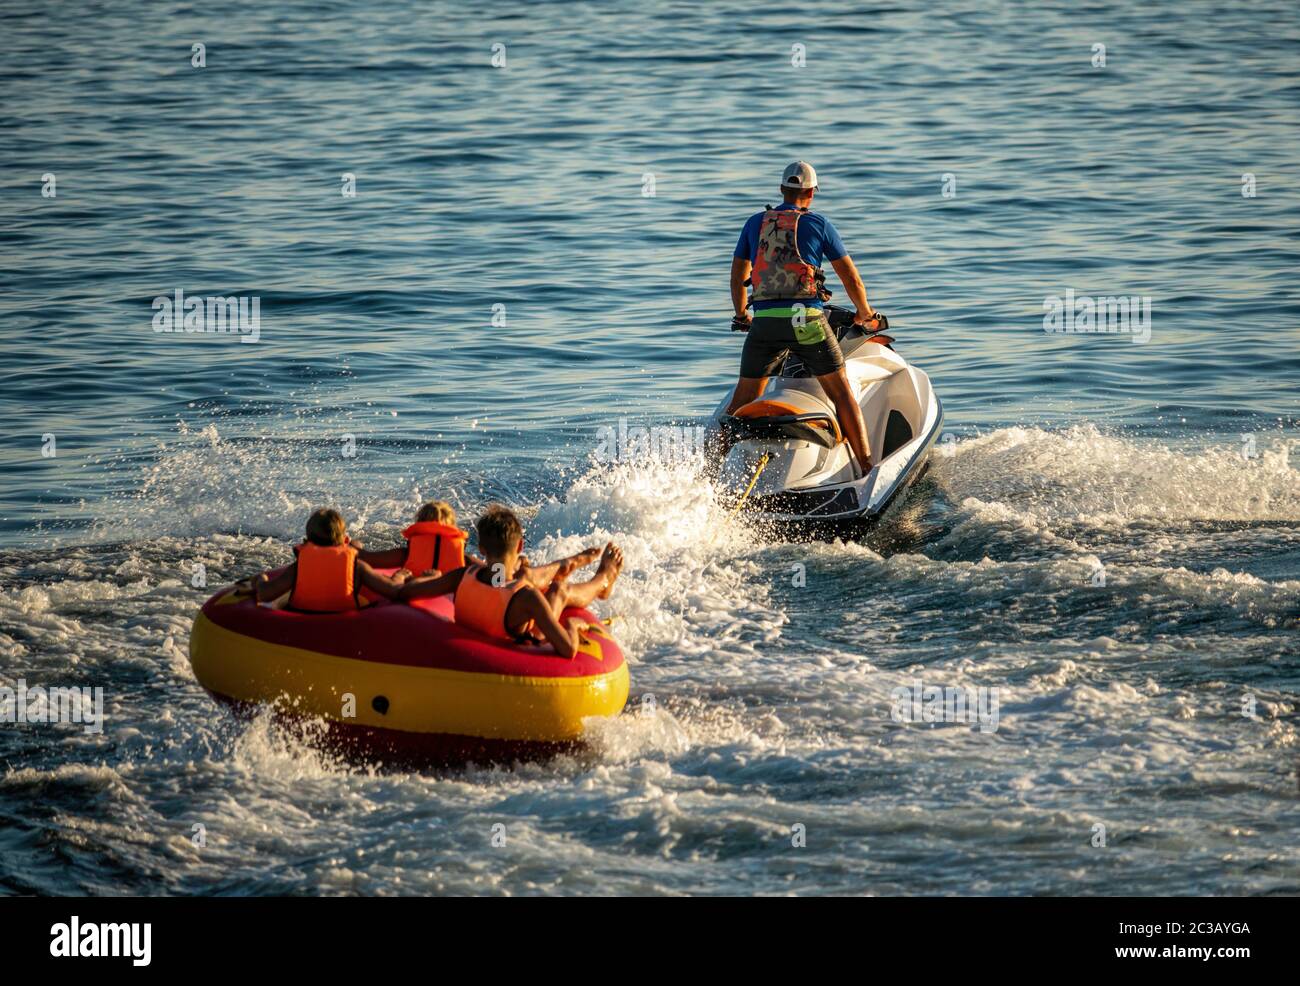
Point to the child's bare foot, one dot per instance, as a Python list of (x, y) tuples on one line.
[(611, 563)]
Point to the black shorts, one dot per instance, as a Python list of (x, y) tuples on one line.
[(772, 337)]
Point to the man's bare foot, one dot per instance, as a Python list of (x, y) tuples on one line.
[(611, 563)]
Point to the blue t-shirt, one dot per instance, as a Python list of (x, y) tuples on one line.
[(818, 240)]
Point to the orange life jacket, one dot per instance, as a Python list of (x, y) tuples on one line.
[(433, 545), (780, 273), (325, 580), (483, 607)]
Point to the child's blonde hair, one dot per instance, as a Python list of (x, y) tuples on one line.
[(326, 528), (438, 511)]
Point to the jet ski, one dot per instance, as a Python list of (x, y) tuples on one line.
[(786, 464)]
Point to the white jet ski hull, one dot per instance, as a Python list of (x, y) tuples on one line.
[(807, 480)]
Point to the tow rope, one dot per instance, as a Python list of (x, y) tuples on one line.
[(762, 464)]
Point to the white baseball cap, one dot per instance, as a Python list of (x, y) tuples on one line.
[(799, 175)]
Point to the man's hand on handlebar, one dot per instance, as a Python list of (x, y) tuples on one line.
[(874, 321), (742, 322)]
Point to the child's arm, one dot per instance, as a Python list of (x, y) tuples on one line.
[(265, 588), (430, 586), (381, 584), (565, 638), (392, 558)]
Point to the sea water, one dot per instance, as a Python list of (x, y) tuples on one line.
[(1106, 550)]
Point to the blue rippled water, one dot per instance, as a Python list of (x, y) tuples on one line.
[(501, 286)]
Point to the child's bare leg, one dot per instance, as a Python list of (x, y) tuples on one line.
[(599, 586), (557, 591), (543, 575)]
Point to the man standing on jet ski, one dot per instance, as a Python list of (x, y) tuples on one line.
[(781, 251)]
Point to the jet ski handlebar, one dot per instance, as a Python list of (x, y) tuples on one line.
[(841, 320)]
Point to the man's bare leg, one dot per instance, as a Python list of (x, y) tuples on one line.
[(849, 414), (747, 389)]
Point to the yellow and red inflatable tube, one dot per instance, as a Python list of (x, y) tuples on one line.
[(404, 681)]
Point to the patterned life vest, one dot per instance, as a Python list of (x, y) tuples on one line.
[(483, 607), (433, 545), (779, 272), (325, 579)]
